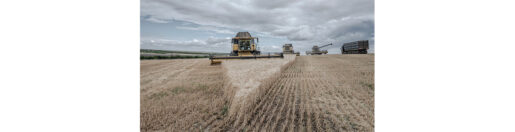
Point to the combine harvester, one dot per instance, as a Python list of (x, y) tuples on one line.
[(243, 47), (316, 50), (288, 49)]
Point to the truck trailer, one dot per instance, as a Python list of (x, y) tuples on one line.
[(356, 47)]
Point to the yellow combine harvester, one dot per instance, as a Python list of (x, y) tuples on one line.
[(243, 47)]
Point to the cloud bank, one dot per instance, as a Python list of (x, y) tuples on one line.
[(303, 23)]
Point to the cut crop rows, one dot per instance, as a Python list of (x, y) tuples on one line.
[(318, 93)]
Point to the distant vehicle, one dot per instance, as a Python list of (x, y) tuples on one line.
[(356, 47), (288, 49), (316, 50)]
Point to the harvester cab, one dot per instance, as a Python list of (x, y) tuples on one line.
[(244, 45)]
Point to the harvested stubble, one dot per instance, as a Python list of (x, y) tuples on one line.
[(246, 79), (315, 93), (181, 95), (192, 95), (312, 93)]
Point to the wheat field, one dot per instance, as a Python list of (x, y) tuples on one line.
[(303, 93), (178, 95)]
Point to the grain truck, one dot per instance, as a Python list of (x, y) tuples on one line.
[(356, 47)]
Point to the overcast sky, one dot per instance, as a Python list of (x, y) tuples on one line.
[(208, 25)]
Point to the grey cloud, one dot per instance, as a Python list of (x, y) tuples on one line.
[(216, 41), (273, 4), (302, 22), (155, 20), (208, 28), (354, 29), (209, 45)]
